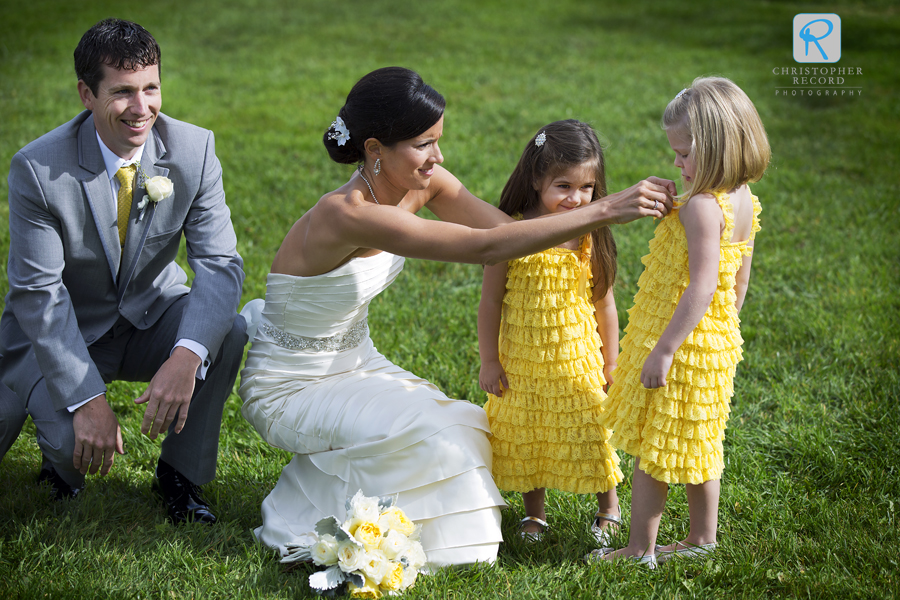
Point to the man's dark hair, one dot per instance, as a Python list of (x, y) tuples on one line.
[(117, 43)]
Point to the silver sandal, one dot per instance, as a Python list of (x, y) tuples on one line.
[(686, 551), (533, 536), (604, 536), (596, 556)]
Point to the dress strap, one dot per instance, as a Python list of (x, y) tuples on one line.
[(584, 261), (757, 208), (728, 212)]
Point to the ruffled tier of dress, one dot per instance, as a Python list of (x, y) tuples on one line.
[(677, 430), (356, 421), (546, 431)]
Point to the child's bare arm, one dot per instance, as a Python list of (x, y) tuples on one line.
[(742, 280), (608, 328), (492, 377), (703, 222)]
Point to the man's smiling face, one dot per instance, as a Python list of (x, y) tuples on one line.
[(125, 107)]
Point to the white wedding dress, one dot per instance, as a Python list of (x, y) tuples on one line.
[(315, 385)]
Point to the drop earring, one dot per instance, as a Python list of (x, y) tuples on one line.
[(377, 168)]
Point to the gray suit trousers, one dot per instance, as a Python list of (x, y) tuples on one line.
[(12, 417), (126, 353)]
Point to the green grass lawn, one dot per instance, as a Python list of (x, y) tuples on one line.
[(810, 493)]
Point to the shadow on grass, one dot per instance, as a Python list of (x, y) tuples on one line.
[(118, 524)]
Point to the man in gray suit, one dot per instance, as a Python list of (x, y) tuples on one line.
[(97, 208)]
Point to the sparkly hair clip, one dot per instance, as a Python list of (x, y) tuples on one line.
[(540, 139), (340, 134), (681, 93)]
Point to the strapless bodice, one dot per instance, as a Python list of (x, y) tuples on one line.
[(324, 305)]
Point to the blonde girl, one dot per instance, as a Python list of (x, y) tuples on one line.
[(670, 403), (549, 337)]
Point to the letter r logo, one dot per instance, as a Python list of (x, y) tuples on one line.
[(817, 38)]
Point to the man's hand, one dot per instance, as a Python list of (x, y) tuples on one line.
[(97, 436), (169, 393)]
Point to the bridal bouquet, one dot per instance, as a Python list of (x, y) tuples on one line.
[(375, 551)]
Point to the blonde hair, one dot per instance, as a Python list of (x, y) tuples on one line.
[(729, 145)]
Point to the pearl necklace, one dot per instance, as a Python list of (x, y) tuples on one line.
[(367, 185)]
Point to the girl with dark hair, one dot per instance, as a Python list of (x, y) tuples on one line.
[(548, 336), (315, 385)]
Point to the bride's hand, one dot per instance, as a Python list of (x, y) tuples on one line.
[(652, 197)]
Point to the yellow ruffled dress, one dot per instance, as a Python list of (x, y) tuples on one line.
[(677, 430), (546, 426)]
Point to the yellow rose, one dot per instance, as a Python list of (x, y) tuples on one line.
[(393, 579), (369, 590), (369, 534), (351, 524), (395, 519)]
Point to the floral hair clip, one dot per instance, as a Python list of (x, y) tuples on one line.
[(540, 139), (340, 134), (681, 93)]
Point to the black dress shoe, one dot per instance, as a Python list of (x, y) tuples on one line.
[(61, 489), (182, 498)]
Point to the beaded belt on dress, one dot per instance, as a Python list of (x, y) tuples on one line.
[(344, 340)]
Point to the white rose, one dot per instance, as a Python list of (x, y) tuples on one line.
[(324, 552), (415, 555), (351, 556), (159, 188), (363, 508), (394, 544), (375, 566), (409, 577)]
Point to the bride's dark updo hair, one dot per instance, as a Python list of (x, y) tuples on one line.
[(391, 105)]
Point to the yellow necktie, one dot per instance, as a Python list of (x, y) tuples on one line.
[(125, 175)]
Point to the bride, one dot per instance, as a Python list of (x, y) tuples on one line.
[(315, 385)]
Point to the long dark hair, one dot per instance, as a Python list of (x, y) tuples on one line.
[(391, 105), (567, 144), (117, 43)]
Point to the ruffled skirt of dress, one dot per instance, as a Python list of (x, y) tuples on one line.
[(546, 426), (677, 430), (356, 421)]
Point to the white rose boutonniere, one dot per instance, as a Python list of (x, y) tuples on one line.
[(158, 188)]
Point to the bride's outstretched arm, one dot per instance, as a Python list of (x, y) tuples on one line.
[(452, 202), (396, 230), (342, 225)]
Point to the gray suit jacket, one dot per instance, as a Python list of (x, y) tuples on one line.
[(69, 281)]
